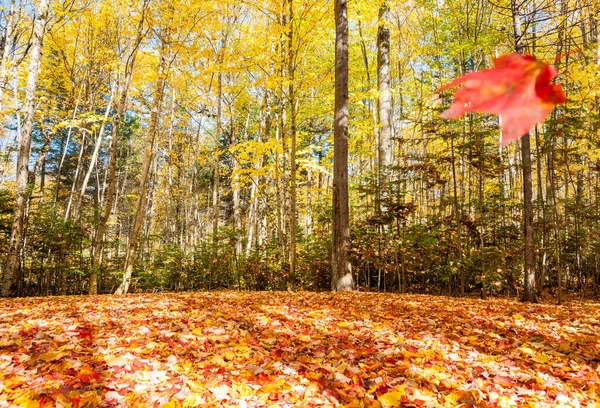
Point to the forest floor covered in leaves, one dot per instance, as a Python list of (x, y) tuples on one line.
[(259, 349)]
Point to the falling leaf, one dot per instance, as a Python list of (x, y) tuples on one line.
[(518, 88)]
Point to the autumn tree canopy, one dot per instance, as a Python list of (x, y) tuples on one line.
[(190, 145)]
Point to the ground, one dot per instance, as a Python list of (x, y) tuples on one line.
[(281, 349)]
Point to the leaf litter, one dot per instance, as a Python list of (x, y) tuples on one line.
[(282, 349)]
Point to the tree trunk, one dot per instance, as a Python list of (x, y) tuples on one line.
[(76, 177), (235, 185), (9, 281), (341, 278), (529, 267), (215, 192), (145, 174), (65, 147), (7, 45), (109, 195), (253, 212), (384, 105), (292, 102), (81, 193)]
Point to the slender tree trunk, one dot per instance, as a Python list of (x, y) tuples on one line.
[(529, 267), (215, 192), (81, 193), (109, 195), (341, 278), (551, 194), (72, 193), (11, 270), (6, 50), (253, 212), (66, 146), (530, 292), (292, 102), (282, 187), (235, 185), (145, 174), (384, 105), (384, 129)]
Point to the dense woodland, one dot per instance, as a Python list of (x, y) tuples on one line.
[(187, 145)]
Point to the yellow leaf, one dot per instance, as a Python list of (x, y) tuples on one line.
[(591, 392), (229, 355), (526, 350), (453, 397), (89, 399), (197, 387), (116, 361), (193, 400), (276, 386), (505, 402), (541, 358), (143, 376), (305, 338), (14, 382), (392, 398), (53, 355), (26, 400), (244, 390), (371, 403)]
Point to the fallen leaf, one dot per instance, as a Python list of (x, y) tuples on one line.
[(541, 358), (53, 355), (391, 399)]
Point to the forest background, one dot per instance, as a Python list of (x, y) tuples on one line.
[(186, 145)]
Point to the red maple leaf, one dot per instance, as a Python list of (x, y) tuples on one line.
[(518, 88)]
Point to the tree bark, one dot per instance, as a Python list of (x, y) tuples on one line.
[(145, 174), (7, 45), (341, 278), (65, 147), (81, 193), (11, 269), (292, 102), (98, 245), (529, 267), (253, 218), (384, 130), (216, 173), (235, 185), (384, 105)]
